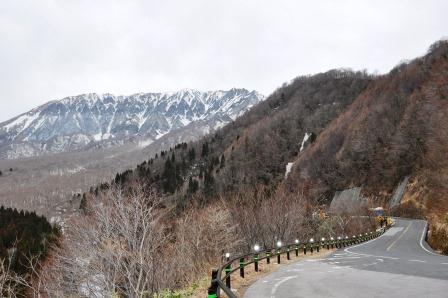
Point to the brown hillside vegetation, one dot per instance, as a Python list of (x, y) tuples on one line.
[(398, 126), (256, 147), (228, 190), (371, 132)]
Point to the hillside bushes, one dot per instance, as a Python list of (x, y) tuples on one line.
[(438, 236), (24, 241), (132, 244), (129, 245)]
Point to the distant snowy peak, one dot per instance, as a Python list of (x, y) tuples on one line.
[(79, 121)]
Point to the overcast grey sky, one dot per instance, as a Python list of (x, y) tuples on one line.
[(51, 49)]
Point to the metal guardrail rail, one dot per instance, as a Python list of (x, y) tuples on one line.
[(220, 281)]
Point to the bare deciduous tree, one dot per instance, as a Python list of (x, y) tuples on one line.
[(10, 282), (114, 249)]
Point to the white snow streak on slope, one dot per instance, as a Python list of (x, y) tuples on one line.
[(160, 134), (144, 143), (288, 169), (290, 164), (305, 138), (97, 137), (24, 121)]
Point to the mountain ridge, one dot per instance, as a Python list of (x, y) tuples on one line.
[(78, 122)]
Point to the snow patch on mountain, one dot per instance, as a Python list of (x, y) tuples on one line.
[(288, 169), (103, 120), (305, 139)]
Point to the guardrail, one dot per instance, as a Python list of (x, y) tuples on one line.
[(223, 282)]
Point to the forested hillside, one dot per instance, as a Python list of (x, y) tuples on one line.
[(24, 240), (396, 128), (198, 200), (367, 131), (231, 189), (255, 148)]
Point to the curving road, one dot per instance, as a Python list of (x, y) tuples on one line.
[(397, 264)]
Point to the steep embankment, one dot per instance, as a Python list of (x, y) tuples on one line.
[(395, 128)]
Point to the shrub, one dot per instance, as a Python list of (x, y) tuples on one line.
[(439, 236)]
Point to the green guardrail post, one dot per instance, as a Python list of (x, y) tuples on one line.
[(268, 257), (242, 267), (304, 248), (278, 256), (213, 289), (297, 250), (287, 254)]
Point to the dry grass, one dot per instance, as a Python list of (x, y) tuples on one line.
[(438, 237)]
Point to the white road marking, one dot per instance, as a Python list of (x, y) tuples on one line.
[(393, 243), (421, 241), (315, 260), (420, 261), (444, 263), (347, 261), (373, 256), (344, 258), (274, 289), (393, 231)]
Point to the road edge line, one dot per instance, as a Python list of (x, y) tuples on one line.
[(425, 229)]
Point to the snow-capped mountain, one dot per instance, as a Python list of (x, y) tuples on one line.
[(102, 120)]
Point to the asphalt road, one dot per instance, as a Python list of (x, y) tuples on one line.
[(397, 264)]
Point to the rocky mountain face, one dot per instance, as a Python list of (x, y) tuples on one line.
[(93, 121)]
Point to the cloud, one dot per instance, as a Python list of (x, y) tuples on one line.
[(52, 49)]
